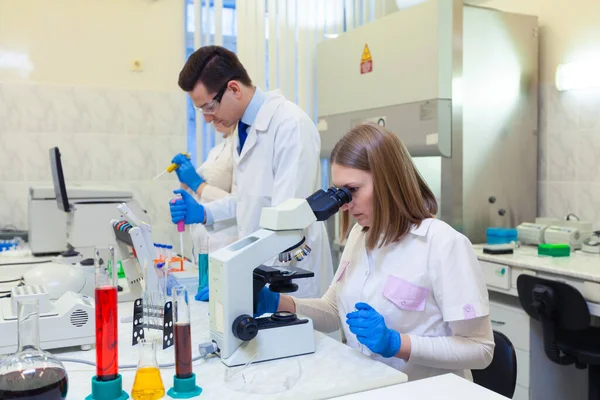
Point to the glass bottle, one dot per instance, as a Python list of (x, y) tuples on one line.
[(148, 384), (31, 373)]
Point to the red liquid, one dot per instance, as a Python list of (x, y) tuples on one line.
[(42, 384), (183, 351), (106, 334)]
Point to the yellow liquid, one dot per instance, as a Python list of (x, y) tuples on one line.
[(147, 385)]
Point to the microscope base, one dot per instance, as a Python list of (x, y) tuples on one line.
[(275, 343)]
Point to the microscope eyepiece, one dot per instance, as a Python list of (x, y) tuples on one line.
[(325, 204), (340, 195)]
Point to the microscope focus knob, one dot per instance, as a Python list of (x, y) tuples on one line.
[(245, 327)]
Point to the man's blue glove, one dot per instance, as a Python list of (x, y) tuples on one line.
[(370, 329), (186, 173), (186, 209), (202, 294), (268, 302)]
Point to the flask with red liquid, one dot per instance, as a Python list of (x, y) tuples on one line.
[(31, 373)]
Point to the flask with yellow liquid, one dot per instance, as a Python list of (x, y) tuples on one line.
[(148, 384)]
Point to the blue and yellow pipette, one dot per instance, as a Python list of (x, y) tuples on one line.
[(170, 168)]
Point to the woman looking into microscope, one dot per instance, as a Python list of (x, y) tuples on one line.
[(409, 290)]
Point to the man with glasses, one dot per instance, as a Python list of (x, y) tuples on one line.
[(276, 156)]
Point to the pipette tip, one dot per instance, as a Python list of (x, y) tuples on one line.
[(159, 175)]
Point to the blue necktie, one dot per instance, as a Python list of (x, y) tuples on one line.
[(242, 134)]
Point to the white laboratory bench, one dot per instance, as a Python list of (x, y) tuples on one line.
[(447, 387), (333, 370), (537, 376)]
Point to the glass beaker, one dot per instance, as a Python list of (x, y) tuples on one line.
[(31, 373), (203, 264), (107, 340), (183, 334), (148, 384)]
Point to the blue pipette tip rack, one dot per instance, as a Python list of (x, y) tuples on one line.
[(108, 390), (184, 388)]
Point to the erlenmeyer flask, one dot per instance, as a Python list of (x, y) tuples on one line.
[(31, 373), (148, 384)]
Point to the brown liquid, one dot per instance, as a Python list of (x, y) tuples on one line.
[(43, 384), (183, 351)]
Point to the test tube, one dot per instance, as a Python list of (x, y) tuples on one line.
[(169, 251), (203, 264), (106, 314), (162, 277), (183, 335)]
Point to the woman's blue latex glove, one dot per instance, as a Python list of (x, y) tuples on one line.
[(186, 209), (370, 329), (268, 302), (186, 173), (202, 294)]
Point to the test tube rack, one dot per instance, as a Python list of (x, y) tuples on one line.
[(146, 318)]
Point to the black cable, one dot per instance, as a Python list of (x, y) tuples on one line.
[(26, 263), (6, 296), (13, 280), (569, 215)]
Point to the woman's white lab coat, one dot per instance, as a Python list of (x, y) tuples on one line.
[(280, 160), (217, 172), (429, 286)]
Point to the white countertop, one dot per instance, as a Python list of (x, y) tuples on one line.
[(447, 387), (578, 265), (333, 370)]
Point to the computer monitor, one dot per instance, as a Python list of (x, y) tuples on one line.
[(58, 179)]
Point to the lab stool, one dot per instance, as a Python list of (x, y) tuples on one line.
[(565, 318)]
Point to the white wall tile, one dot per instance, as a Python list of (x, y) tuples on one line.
[(588, 105), (589, 203), (13, 157), (562, 146), (14, 204), (165, 148), (100, 160), (155, 113), (588, 160), (562, 199), (30, 108), (38, 160), (562, 111), (133, 159), (91, 110)]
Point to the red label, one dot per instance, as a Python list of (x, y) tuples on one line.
[(366, 66)]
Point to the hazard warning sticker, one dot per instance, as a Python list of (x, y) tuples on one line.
[(366, 61)]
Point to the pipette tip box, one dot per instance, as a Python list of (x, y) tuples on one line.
[(554, 250)]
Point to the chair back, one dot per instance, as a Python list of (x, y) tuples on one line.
[(501, 375), (559, 303)]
